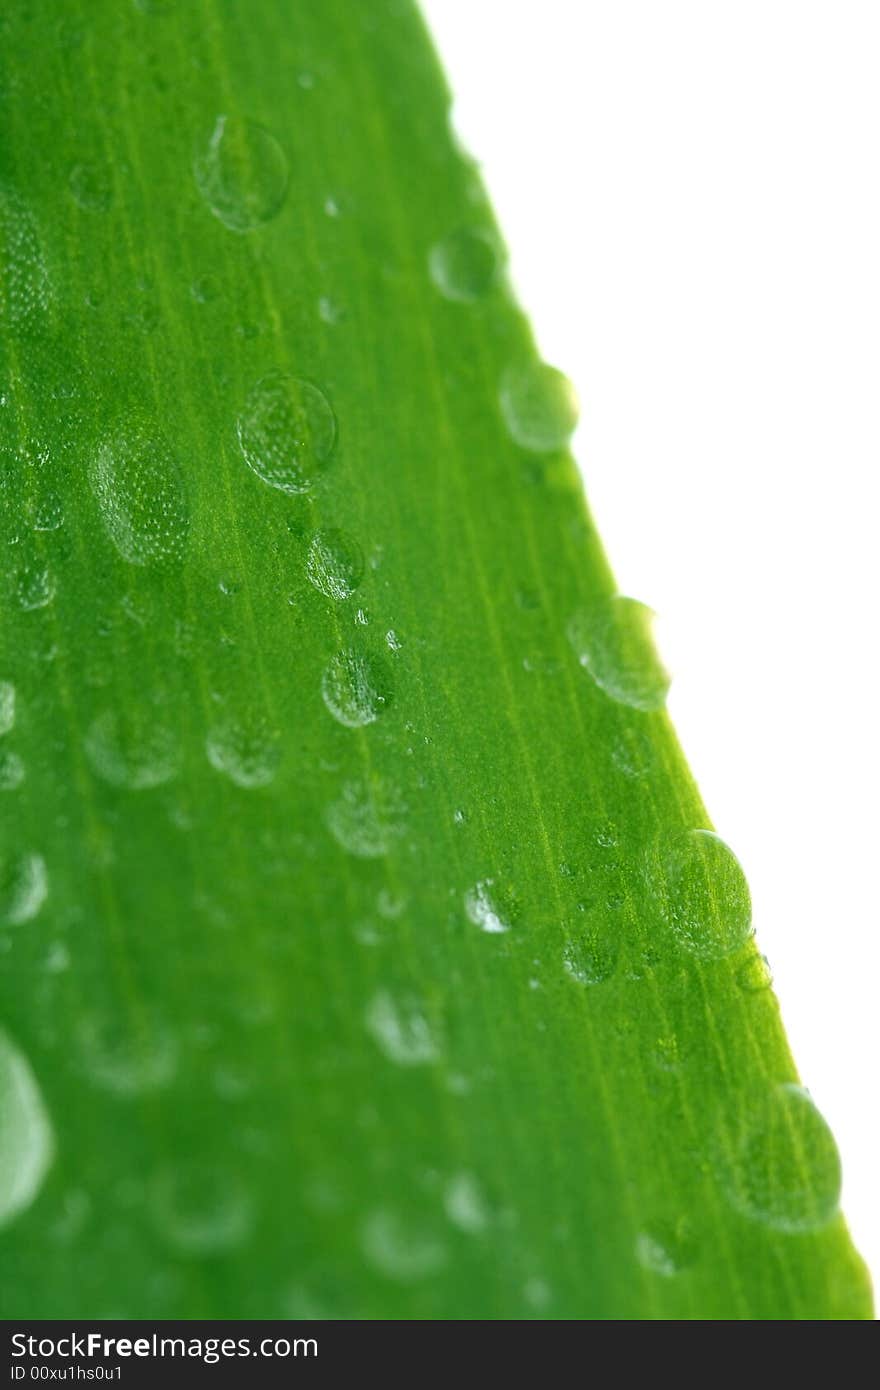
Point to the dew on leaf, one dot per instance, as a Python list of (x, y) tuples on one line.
[(334, 564), (539, 407), (24, 886), (133, 749), (782, 1164), (357, 687), (365, 819), (200, 1209), (139, 487), (464, 266), (91, 187), (241, 173), (401, 1031), (26, 1136), (287, 431), (612, 642), (590, 957), (7, 707), (701, 893), (12, 770), (126, 1055), (488, 908), (25, 289)]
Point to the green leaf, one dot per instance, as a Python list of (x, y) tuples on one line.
[(367, 950)]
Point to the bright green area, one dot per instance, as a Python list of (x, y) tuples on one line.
[(356, 959)]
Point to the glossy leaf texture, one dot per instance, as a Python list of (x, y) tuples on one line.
[(366, 948)]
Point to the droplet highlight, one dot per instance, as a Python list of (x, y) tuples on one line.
[(247, 751), (401, 1031), (783, 1168), (26, 1137), (201, 1210), (366, 819)]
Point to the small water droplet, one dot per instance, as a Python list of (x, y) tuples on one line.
[(335, 564), (139, 487), (26, 1138), (200, 1209), (755, 976), (35, 586), (287, 431), (464, 266), (612, 642), (331, 207), (701, 892), (12, 770), (488, 908), (538, 406), (591, 957), (667, 1248), (91, 187), (782, 1164), (7, 707), (401, 1249), (241, 173), (357, 687), (24, 887), (133, 750), (392, 641), (127, 1056), (246, 750), (366, 819), (49, 514), (401, 1031), (330, 311), (466, 1204)]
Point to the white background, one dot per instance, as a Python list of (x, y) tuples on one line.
[(690, 192)]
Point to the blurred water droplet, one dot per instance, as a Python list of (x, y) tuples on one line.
[(357, 687), (91, 187), (464, 266), (24, 886), (488, 908), (667, 1248), (139, 487), (26, 1138), (612, 642), (127, 1056), (241, 173), (12, 770), (399, 1248), (134, 749), (591, 957), (287, 431), (49, 514), (35, 586), (782, 1164), (701, 892), (465, 1204), (246, 750), (538, 406), (366, 819), (7, 707), (200, 1209), (755, 976), (401, 1031), (25, 289), (335, 564)]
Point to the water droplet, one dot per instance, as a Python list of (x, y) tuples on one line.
[(91, 187), (783, 1168), (331, 207), (755, 976), (667, 1248), (246, 750), (127, 1056), (466, 1204), (591, 957), (49, 515), (133, 749), (241, 173), (7, 707), (287, 431), (35, 586), (537, 1293), (401, 1031), (538, 406), (490, 910), (139, 487), (24, 887), (400, 1249), (366, 819), (335, 564), (25, 290), (392, 641), (26, 1138), (12, 770), (201, 1210), (356, 687), (612, 641), (330, 311), (464, 266), (701, 892)]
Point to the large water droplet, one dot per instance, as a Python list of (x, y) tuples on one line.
[(366, 819), (538, 406), (357, 687), (26, 1138), (246, 750), (7, 707), (25, 290), (139, 487), (126, 1055), (335, 564), (24, 887), (400, 1030), (612, 641), (701, 892), (464, 266), (287, 431), (201, 1210), (134, 749), (782, 1164), (241, 173), (400, 1249)]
